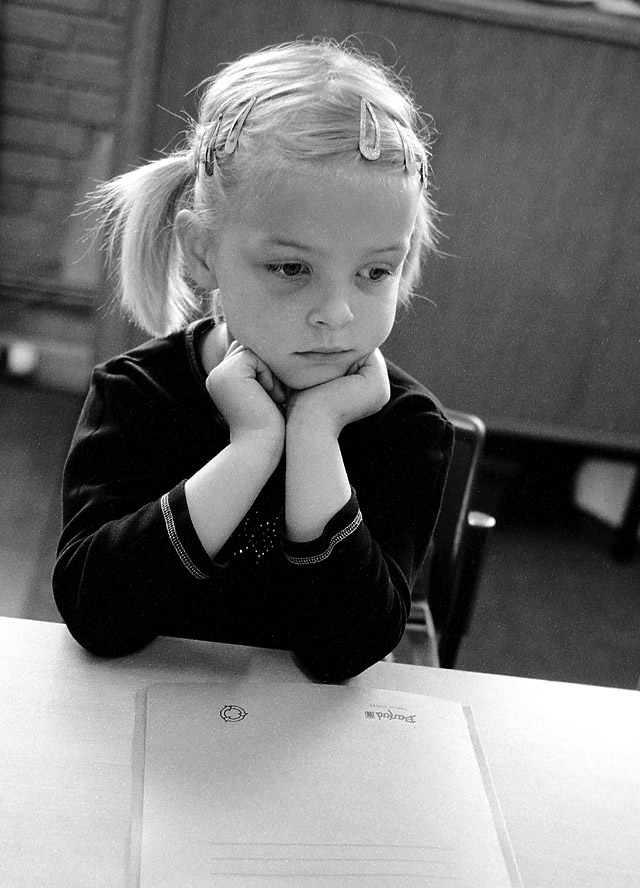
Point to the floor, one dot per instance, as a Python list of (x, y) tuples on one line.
[(36, 431), (552, 604)]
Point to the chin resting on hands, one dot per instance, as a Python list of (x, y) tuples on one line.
[(361, 392)]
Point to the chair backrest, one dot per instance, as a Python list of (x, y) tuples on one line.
[(451, 578)]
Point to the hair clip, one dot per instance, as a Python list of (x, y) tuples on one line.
[(410, 163), (236, 127), (368, 152), (209, 158)]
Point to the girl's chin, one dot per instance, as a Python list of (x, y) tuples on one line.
[(313, 377)]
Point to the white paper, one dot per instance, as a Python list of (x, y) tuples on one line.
[(299, 785)]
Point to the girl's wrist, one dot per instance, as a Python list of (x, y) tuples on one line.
[(312, 436), (263, 445), (311, 424)]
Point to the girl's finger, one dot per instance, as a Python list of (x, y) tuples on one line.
[(233, 348), (279, 392), (270, 382), (357, 366), (264, 375)]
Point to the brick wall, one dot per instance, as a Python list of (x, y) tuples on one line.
[(62, 79)]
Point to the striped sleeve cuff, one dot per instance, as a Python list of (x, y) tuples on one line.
[(182, 535), (341, 526)]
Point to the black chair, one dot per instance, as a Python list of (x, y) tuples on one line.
[(449, 580)]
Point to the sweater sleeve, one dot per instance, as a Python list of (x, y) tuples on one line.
[(128, 554), (353, 585)]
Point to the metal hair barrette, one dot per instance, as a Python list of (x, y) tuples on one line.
[(369, 152), (208, 145), (236, 127), (209, 158), (411, 164)]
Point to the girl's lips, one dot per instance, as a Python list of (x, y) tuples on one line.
[(324, 355), (325, 351)]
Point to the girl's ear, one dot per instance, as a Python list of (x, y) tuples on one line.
[(197, 247)]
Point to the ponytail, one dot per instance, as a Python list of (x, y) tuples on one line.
[(138, 211)]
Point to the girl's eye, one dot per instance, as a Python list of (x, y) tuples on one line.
[(288, 269), (377, 274)]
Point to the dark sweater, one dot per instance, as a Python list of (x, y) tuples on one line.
[(130, 566)]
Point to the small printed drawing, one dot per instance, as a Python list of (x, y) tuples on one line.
[(232, 713)]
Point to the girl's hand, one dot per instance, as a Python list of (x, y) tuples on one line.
[(248, 395), (334, 404)]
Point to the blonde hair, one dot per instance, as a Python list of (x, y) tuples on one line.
[(306, 109)]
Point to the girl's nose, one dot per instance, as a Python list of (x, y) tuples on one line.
[(331, 310)]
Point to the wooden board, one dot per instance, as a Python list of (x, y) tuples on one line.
[(536, 315)]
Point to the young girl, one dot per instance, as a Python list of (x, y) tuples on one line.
[(259, 474)]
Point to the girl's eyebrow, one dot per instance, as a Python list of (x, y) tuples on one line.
[(284, 242), (400, 247)]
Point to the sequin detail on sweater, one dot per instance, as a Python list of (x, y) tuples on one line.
[(254, 538)]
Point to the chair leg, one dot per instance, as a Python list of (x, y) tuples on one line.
[(416, 649), (418, 646), (457, 627)]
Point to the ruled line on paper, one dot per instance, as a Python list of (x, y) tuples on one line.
[(314, 850), (300, 859)]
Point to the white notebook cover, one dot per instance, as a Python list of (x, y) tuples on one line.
[(293, 785)]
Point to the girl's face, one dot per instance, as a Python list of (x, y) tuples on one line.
[(309, 267)]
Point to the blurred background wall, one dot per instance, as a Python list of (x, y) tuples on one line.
[(63, 88)]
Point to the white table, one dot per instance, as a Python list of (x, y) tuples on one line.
[(565, 758)]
